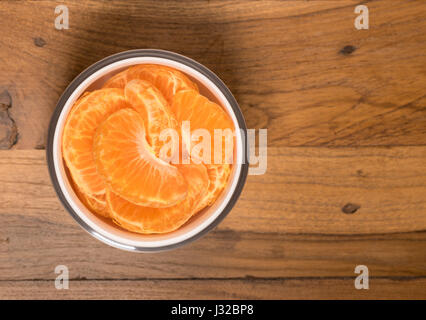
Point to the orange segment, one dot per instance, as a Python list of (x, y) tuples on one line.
[(77, 140), (218, 178), (117, 81), (127, 163), (98, 204), (150, 103), (189, 105), (169, 81), (160, 220)]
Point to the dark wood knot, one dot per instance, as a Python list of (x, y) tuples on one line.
[(350, 208), (39, 42), (347, 50)]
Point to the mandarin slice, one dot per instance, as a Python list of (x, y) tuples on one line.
[(161, 220), (189, 105), (117, 81), (129, 166), (146, 99), (218, 178), (169, 81), (96, 203), (77, 140)]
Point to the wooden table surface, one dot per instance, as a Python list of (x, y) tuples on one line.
[(345, 111)]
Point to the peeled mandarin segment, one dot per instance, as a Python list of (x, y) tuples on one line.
[(150, 103), (161, 220), (96, 204), (189, 105), (117, 81), (169, 81), (196, 175), (77, 140), (128, 165), (218, 178)]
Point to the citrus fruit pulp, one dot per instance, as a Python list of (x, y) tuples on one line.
[(143, 219), (77, 140), (218, 178), (146, 99), (95, 203), (112, 144), (129, 166), (169, 81), (202, 114)]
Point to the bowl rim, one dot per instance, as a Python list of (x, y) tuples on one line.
[(156, 53)]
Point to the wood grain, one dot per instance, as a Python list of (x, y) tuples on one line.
[(303, 191), (217, 289), (282, 60), (294, 228), (346, 117)]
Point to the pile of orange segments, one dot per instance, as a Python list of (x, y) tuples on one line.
[(112, 142)]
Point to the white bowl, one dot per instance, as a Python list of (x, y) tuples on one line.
[(93, 78)]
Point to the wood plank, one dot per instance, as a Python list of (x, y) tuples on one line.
[(217, 289), (304, 190), (294, 228), (283, 61), (223, 254), (32, 252)]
